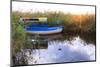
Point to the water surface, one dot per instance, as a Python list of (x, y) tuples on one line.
[(56, 49)]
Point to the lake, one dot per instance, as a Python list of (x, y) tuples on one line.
[(57, 48)]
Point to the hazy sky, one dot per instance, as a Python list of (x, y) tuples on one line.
[(34, 7)]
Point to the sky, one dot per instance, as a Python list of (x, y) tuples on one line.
[(42, 7)]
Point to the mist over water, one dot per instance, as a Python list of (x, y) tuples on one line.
[(74, 50)]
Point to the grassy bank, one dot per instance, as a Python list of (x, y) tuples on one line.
[(85, 22)]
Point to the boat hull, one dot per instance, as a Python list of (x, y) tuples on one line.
[(43, 29), (46, 32)]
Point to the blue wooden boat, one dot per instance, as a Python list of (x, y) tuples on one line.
[(43, 29)]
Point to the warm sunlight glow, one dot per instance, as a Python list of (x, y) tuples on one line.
[(77, 18)]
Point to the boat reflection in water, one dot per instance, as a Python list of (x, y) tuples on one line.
[(57, 48)]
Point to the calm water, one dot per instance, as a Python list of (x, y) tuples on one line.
[(57, 48)]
